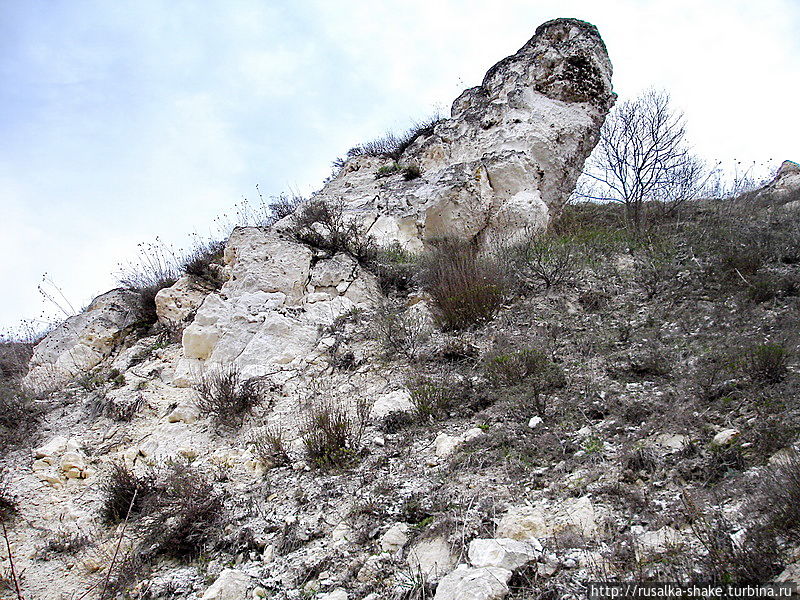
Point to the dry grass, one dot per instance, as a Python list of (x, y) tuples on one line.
[(467, 287), (226, 396)]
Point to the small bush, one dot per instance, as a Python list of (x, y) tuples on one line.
[(767, 362), (467, 287), (226, 396), (182, 516), (156, 267), (656, 265), (393, 146), (387, 170), (65, 542), (324, 225), (18, 413), (14, 357), (411, 172), (122, 491), (395, 268), (8, 505), (333, 431), (714, 375), (401, 331), (283, 206), (513, 368), (753, 559), (546, 259), (431, 399), (531, 370), (204, 263), (269, 445), (779, 495)]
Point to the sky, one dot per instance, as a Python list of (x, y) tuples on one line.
[(122, 122)]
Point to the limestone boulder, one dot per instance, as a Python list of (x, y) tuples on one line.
[(178, 302), (503, 552), (432, 557), (82, 341), (468, 583), (547, 519), (230, 585), (508, 156)]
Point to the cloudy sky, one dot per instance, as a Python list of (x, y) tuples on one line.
[(122, 121)]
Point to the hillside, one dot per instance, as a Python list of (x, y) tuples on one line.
[(433, 379)]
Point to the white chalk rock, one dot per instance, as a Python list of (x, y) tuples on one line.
[(433, 558), (230, 585), (503, 552), (467, 583), (395, 539)]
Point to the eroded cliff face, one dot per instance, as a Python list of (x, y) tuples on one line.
[(506, 159), (500, 166), (503, 164)]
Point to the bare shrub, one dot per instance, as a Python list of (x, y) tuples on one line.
[(204, 262), (767, 362), (14, 357), (392, 145), (65, 542), (779, 495), (18, 413), (269, 444), (656, 264), (394, 267), (752, 559), (8, 505), (467, 287), (226, 396), (282, 206), (530, 369), (714, 374), (333, 430), (323, 224), (432, 398), (183, 515), (124, 491), (546, 259), (155, 267), (401, 331)]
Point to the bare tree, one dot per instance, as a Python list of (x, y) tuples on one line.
[(642, 155)]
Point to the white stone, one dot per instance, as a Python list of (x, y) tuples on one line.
[(177, 302), (395, 539), (467, 583), (535, 422), (503, 552), (55, 447), (397, 400), (446, 444), (670, 442), (184, 413), (725, 437), (337, 594), (81, 341), (230, 585), (433, 558), (648, 543), (546, 519)]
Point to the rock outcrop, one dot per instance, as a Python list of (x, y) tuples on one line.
[(502, 164), (508, 156), (82, 341)]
